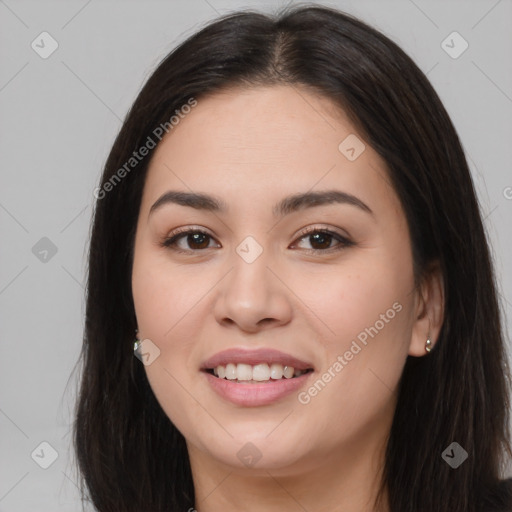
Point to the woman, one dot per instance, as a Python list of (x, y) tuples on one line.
[(287, 225)]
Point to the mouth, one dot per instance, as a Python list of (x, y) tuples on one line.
[(257, 377), (242, 373)]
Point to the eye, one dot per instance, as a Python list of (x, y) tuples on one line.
[(321, 240), (193, 239)]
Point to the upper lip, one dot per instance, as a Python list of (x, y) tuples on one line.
[(253, 357)]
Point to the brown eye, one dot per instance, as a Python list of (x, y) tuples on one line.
[(188, 241), (322, 240), (197, 240)]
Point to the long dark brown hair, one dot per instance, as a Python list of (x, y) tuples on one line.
[(130, 456)]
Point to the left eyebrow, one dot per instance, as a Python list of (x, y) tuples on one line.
[(297, 202), (286, 206)]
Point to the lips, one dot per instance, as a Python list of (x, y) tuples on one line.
[(254, 357), (259, 394)]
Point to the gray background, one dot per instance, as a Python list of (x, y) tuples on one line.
[(59, 117)]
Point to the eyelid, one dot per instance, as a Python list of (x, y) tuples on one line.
[(171, 238), (323, 228), (344, 240), (188, 229)]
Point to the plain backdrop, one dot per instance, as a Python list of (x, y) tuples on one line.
[(59, 116)]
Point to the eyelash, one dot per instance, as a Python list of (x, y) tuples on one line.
[(343, 242)]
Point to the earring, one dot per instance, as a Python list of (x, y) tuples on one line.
[(136, 344), (428, 345)]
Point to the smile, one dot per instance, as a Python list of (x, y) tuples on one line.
[(254, 374), (255, 377)]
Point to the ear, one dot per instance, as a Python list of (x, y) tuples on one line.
[(429, 311)]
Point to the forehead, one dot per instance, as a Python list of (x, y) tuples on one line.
[(265, 122), (264, 140)]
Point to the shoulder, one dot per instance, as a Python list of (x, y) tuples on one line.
[(500, 499)]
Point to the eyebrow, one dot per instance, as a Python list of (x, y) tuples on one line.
[(289, 204)]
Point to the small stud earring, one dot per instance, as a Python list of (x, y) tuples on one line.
[(428, 345), (136, 344)]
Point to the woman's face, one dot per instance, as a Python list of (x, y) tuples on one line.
[(298, 245)]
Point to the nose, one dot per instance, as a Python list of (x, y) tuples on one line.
[(251, 297)]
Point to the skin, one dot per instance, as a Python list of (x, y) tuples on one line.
[(251, 148)]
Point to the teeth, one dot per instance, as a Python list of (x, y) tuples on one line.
[(230, 371), (276, 371), (261, 372), (244, 371), (288, 372), (258, 373)]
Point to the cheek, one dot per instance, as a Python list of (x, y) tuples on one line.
[(352, 298), (164, 294), (171, 304), (364, 359), (365, 313), (164, 302)]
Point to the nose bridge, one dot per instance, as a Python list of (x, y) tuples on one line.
[(250, 293), (249, 278)]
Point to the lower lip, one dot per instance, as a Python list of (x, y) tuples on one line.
[(252, 395)]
